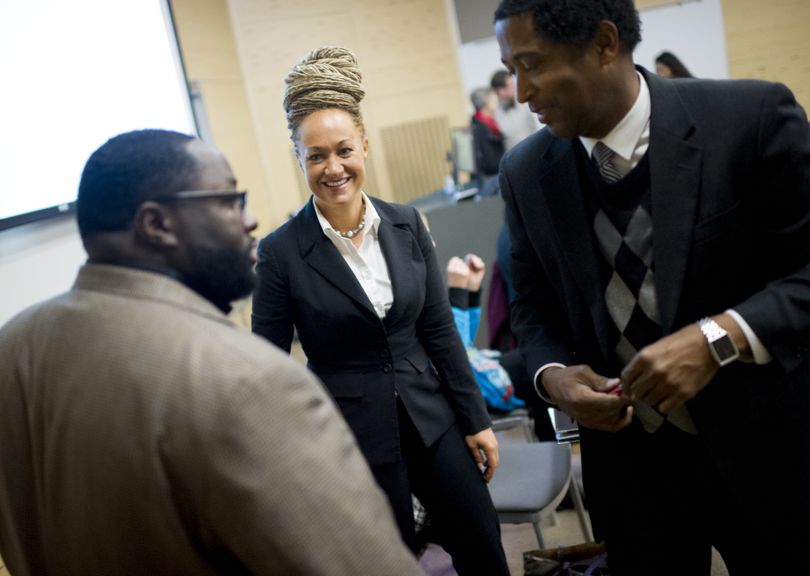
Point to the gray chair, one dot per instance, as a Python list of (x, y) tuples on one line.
[(517, 418), (531, 481)]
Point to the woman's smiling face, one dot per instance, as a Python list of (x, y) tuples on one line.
[(332, 152)]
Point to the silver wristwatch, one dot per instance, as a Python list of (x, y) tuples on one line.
[(720, 343)]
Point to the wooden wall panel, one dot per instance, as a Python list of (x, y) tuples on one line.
[(644, 4), (407, 54), (416, 153), (769, 41), (209, 52)]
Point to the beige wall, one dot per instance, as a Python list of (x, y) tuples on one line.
[(240, 50), (769, 40), (209, 52), (642, 4)]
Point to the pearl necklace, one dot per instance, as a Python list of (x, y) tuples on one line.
[(355, 231)]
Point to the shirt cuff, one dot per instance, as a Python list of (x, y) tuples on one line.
[(758, 350), (475, 299), (538, 383), (459, 298)]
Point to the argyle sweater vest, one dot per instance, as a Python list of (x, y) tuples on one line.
[(621, 218)]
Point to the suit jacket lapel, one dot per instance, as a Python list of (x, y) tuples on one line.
[(397, 246), (321, 255), (675, 165), (561, 180)]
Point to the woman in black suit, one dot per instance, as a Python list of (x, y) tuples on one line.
[(358, 278)]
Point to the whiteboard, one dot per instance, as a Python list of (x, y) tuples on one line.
[(74, 74)]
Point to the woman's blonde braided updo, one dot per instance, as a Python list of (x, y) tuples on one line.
[(327, 77)]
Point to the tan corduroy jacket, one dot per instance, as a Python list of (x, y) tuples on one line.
[(141, 432)]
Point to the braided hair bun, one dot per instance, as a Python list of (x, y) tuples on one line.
[(327, 77)]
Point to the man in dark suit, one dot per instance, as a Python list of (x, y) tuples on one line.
[(660, 248)]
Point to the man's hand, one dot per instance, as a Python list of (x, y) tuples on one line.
[(484, 441), (671, 371), (592, 400)]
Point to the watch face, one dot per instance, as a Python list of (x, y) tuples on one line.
[(725, 349)]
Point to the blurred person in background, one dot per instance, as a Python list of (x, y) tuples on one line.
[(487, 137), (667, 65), (514, 119)]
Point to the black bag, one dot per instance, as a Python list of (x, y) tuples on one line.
[(581, 560)]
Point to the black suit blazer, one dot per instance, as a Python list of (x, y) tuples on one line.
[(730, 183), (364, 361)]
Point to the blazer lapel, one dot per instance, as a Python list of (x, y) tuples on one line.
[(675, 165), (560, 179), (397, 247), (321, 255)]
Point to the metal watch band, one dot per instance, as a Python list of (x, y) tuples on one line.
[(711, 329), (721, 346)]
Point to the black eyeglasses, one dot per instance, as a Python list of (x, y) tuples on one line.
[(238, 195)]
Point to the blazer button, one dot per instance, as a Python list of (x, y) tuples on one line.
[(384, 353), (387, 367)]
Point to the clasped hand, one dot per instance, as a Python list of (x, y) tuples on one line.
[(592, 400), (664, 375), (671, 371)]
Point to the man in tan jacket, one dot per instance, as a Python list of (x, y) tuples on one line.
[(141, 432)]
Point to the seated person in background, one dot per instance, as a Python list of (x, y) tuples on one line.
[(502, 377), (464, 283), (501, 294), (141, 431), (487, 136)]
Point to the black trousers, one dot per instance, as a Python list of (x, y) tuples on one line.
[(444, 477), (662, 505)]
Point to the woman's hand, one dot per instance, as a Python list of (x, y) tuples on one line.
[(486, 443), (476, 269), (458, 273)]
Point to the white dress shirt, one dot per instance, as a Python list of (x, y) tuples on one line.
[(366, 262)]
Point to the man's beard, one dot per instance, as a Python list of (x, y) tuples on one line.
[(220, 275)]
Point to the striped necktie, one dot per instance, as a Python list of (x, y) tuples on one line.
[(604, 160)]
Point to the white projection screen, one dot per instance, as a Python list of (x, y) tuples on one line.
[(75, 73)]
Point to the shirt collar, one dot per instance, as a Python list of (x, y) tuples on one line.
[(625, 135), (372, 219)]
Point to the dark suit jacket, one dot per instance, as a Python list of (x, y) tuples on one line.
[(364, 361), (730, 182)]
